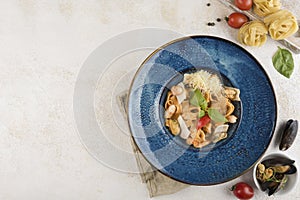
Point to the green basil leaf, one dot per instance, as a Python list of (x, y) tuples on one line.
[(201, 113), (215, 115), (283, 62), (198, 99)]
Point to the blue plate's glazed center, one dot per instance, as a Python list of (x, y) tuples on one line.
[(179, 78)]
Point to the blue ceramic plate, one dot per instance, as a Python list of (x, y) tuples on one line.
[(247, 140)]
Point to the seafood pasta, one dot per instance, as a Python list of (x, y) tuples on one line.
[(199, 109)]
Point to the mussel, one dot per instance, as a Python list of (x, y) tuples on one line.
[(277, 161), (276, 186), (272, 174), (289, 134)]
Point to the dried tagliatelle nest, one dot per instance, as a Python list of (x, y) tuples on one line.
[(277, 22), (281, 24), (253, 33), (265, 7)]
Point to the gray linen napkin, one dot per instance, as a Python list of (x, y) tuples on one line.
[(157, 183)]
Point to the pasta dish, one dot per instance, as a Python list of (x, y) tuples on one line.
[(199, 108)]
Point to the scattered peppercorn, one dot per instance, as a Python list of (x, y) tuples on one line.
[(208, 4), (218, 19), (210, 24)]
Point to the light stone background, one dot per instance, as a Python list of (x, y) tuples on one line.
[(43, 44)]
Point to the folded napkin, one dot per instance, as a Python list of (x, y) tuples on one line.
[(157, 183)]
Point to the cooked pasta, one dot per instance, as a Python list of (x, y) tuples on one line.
[(253, 33), (281, 24), (199, 108), (265, 7)]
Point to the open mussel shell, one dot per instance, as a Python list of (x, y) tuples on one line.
[(277, 161), (276, 186), (264, 185), (292, 170), (273, 187), (289, 134)]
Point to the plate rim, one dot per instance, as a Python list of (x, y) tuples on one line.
[(216, 38)]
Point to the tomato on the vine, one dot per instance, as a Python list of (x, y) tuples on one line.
[(243, 4), (236, 19), (243, 191)]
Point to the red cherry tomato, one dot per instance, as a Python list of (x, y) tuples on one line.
[(236, 20), (243, 191), (203, 121), (243, 4)]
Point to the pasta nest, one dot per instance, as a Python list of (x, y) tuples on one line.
[(281, 24), (266, 7), (253, 33)]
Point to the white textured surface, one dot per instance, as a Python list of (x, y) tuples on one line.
[(43, 44)]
